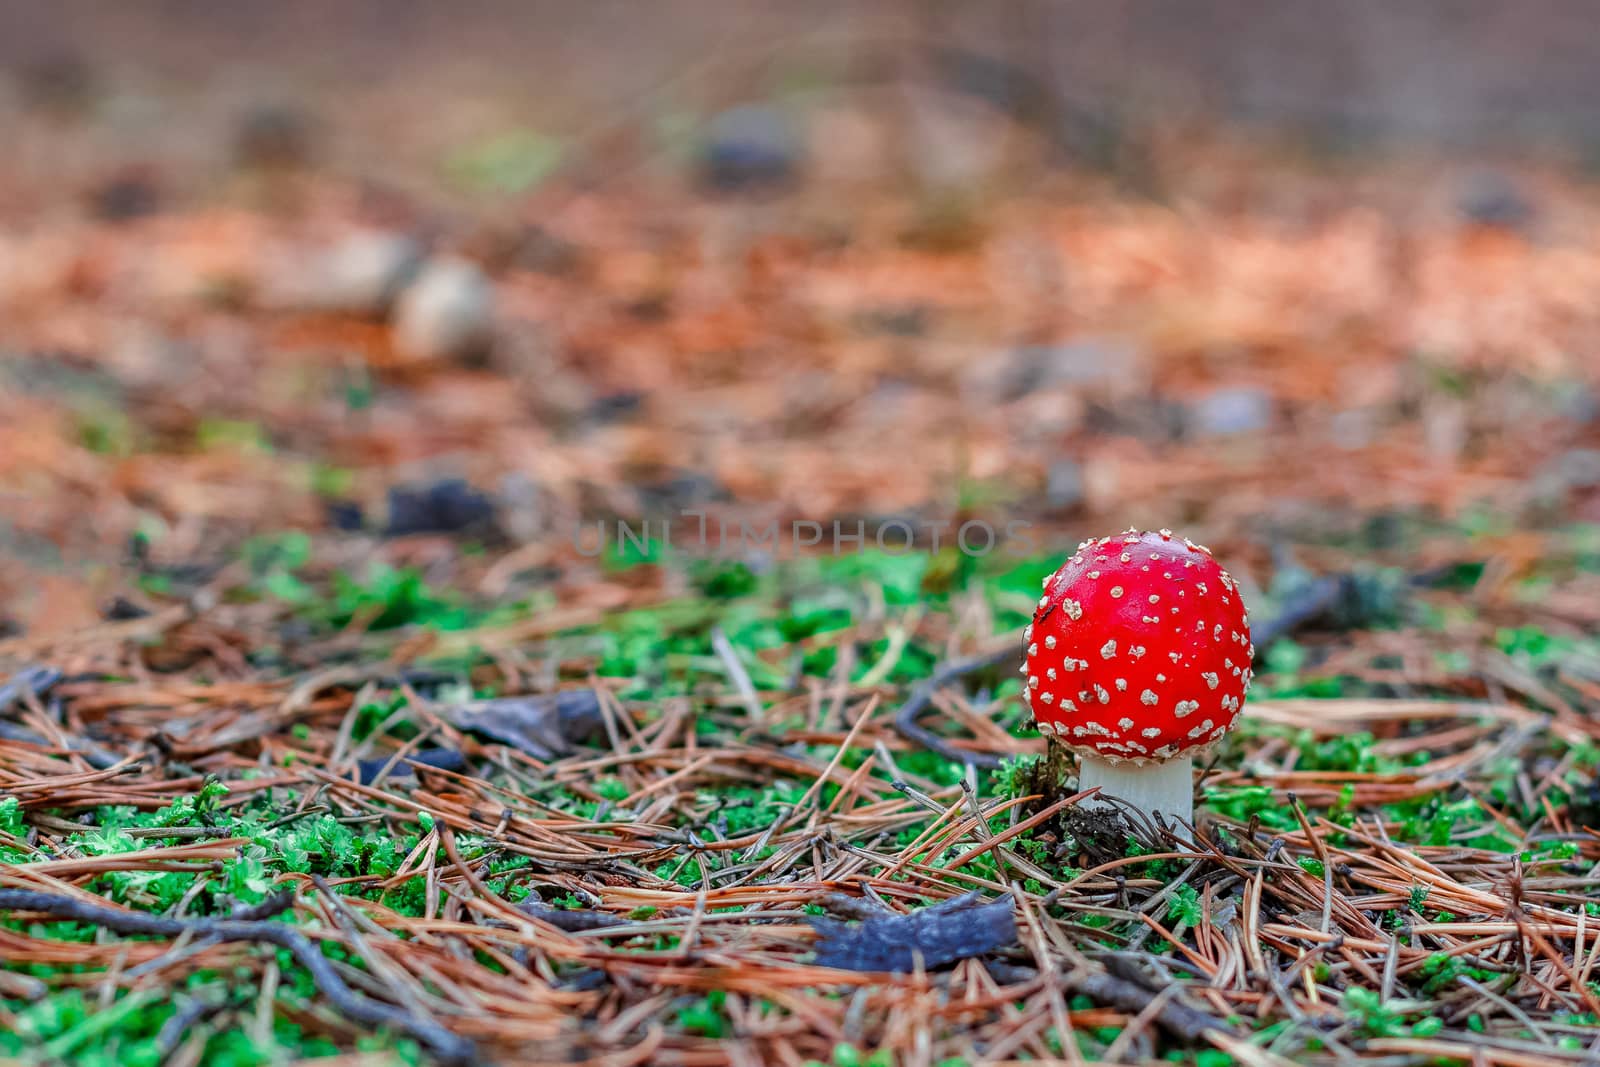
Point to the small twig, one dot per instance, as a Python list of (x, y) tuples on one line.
[(1179, 1020), (905, 720), (736, 673)]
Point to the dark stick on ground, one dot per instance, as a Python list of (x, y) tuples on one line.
[(447, 1046), (905, 720), (1179, 1020), (949, 931), (1316, 600)]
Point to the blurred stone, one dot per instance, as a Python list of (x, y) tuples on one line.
[(364, 273), (1492, 198), (895, 320), (539, 250), (524, 511), (615, 407), (1578, 402), (1107, 364), (751, 146), (121, 609), (678, 490), (61, 85), (1577, 469), (1231, 410), (1352, 429), (1148, 417), (345, 515), (446, 506), (273, 136), (447, 313), (1064, 489), (130, 194)]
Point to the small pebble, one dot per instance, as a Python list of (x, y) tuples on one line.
[(447, 313), (1228, 411), (750, 146)]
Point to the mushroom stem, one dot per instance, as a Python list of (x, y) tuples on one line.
[(1167, 787)]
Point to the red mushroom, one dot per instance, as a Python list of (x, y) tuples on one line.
[(1139, 659)]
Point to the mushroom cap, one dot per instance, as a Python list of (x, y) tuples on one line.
[(1139, 650)]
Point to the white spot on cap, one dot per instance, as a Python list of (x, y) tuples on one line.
[(1033, 649), (1122, 685), (1116, 591), (1151, 731), (1108, 650), (1149, 697), (1073, 609), (1174, 656), (1210, 677), (1155, 598), (1185, 708), (1048, 697), (1033, 681), (1161, 677), (1124, 723), (1049, 641), (1101, 694), (1027, 633), (1202, 728), (1137, 652), (1050, 674)]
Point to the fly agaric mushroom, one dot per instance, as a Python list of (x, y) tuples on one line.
[(1138, 660)]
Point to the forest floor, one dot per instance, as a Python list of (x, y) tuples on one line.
[(327, 726)]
